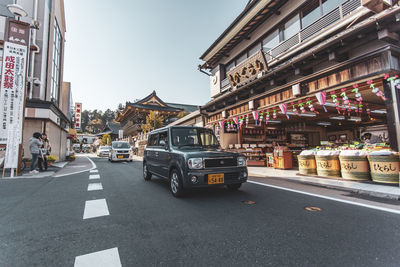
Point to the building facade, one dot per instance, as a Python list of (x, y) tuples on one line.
[(48, 100), (298, 73)]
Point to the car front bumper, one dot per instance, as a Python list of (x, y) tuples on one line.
[(121, 157), (232, 175)]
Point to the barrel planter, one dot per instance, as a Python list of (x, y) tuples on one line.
[(328, 166), (307, 164), (385, 169), (354, 167)]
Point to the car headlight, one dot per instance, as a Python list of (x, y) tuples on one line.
[(195, 163), (241, 161)]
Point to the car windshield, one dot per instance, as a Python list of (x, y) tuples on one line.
[(193, 137), (120, 145), (104, 148)]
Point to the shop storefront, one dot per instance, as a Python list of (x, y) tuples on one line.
[(312, 82), (274, 130)]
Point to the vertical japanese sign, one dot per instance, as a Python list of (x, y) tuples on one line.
[(78, 113), (13, 74)]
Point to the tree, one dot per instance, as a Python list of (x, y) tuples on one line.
[(182, 114), (105, 140), (95, 126), (108, 116), (84, 119), (153, 121)]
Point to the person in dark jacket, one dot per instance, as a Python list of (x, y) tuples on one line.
[(46, 148), (35, 144)]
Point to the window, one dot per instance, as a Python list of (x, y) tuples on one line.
[(271, 41), (292, 27), (254, 49), (311, 13), (55, 68), (241, 59), (164, 138), (329, 5), (153, 140), (230, 66)]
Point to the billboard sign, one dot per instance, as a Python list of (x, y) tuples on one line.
[(78, 115)]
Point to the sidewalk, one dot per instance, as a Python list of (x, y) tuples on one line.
[(366, 188), (58, 169)]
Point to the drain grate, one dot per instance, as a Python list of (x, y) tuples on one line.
[(312, 209), (248, 202)]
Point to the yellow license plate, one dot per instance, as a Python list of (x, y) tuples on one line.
[(120, 157), (216, 178)]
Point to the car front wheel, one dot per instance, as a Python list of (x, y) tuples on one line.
[(146, 173), (175, 184)]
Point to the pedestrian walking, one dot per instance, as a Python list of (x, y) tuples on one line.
[(35, 144), (45, 151)]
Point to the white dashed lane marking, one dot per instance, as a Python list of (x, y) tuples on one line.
[(95, 208), (94, 176), (95, 186), (108, 257), (94, 171)]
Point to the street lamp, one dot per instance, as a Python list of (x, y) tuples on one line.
[(17, 10)]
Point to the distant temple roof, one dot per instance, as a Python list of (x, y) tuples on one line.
[(153, 103), (110, 128)]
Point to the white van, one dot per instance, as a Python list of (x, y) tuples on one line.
[(120, 151)]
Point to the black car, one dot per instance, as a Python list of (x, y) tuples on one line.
[(191, 157)]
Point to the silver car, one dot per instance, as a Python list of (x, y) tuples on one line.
[(103, 151), (120, 151)]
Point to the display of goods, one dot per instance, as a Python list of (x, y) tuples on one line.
[(307, 164), (328, 163), (384, 168), (354, 167)]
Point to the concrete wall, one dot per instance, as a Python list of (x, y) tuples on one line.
[(30, 126), (58, 140)]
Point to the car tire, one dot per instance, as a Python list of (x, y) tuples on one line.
[(146, 174), (233, 186), (175, 183)]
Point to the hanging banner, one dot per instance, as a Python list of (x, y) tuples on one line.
[(321, 97), (12, 92), (11, 160), (283, 108)]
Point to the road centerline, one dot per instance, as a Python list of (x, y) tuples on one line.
[(94, 187), (95, 208), (109, 257)]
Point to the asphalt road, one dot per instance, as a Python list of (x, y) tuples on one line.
[(41, 224)]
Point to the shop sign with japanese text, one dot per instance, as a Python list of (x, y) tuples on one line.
[(12, 92), (247, 70), (78, 114)]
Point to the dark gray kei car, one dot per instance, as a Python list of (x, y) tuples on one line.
[(190, 157)]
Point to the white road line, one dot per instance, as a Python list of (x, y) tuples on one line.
[(94, 187), (108, 257), (94, 176), (95, 208), (329, 198), (93, 164), (94, 171), (72, 173)]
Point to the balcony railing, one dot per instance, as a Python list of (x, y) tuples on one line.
[(335, 15)]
